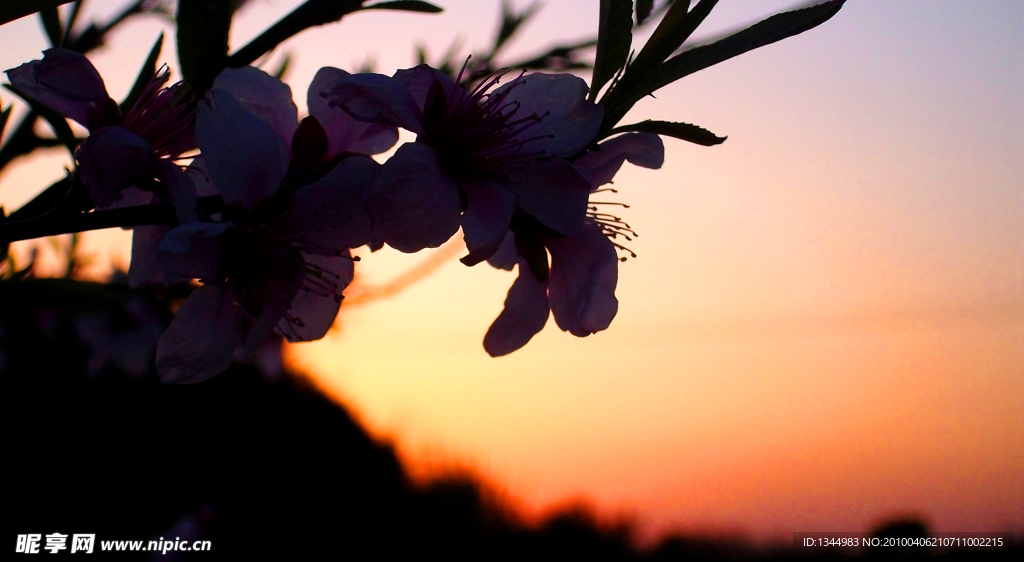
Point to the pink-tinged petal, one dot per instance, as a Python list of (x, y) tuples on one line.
[(485, 222), (202, 337), (144, 270), (375, 98), (554, 193), (345, 134), (640, 149), (193, 251), (581, 283), (244, 156), (420, 79), (332, 213), (525, 313), (180, 189), (315, 306), (263, 327), (264, 96), (64, 81), (568, 120), (507, 256), (110, 160), (201, 178), (134, 197), (413, 203)]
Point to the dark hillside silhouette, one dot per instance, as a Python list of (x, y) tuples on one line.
[(267, 470)]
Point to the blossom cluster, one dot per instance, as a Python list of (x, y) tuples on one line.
[(268, 207)]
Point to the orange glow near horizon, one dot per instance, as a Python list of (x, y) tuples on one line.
[(824, 328)]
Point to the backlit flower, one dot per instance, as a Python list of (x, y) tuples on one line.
[(482, 155), (578, 284), (120, 150), (278, 259)]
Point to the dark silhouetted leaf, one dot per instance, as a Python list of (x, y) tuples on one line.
[(5, 247), (76, 8), (406, 6), (775, 28), (511, 21), (50, 18), (643, 10), (771, 30), (146, 74), (683, 131), (559, 57), (57, 122), (308, 14), (4, 115), (283, 67), (203, 27), (11, 10), (614, 38), (674, 29)]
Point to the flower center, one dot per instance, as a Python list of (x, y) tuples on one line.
[(479, 131), (268, 264), (164, 117)]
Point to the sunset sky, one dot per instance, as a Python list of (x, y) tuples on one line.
[(824, 328)]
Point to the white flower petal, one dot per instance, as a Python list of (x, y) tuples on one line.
[(375, 98), (344, 133), (485, 222), (200, 340), (507, 256), (144, 269), (640, 149), (110, 160), (264, 96), (332, 212), (314, 308), (180, 189), (568, 119), (420, 79), (524, 315), (263, 327), (201, 178), (414, 204), (554, 193), (245, 157), (193, 251), (581, 283), (64, 81)]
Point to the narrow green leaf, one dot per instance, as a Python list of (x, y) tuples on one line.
[(50, 18), (683, 131), (203, 27), (771, 30), (614, 37), (146, 73), (643, 10), (11, 10), (406, 6)]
